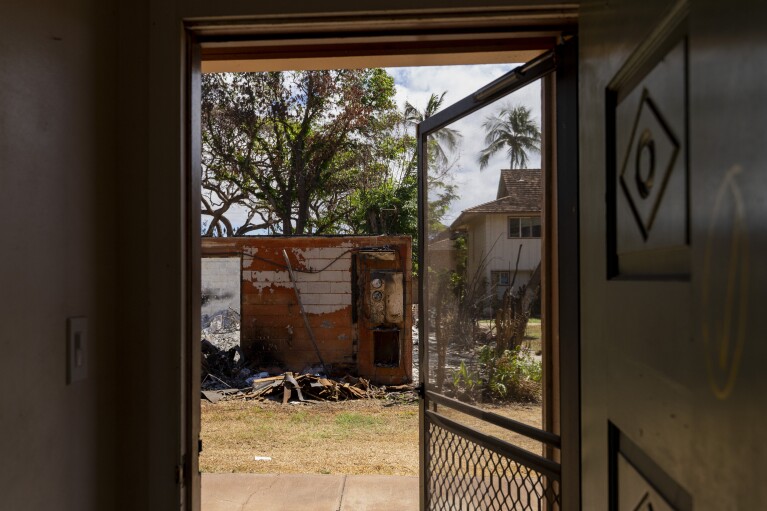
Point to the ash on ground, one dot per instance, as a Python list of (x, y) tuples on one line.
[(222, 329), (222, 356)]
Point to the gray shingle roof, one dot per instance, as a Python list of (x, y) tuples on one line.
[(524, 185)]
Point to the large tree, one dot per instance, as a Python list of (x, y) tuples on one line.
[(290, 147), (513, 129)]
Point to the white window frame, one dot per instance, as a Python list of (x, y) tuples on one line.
[(524, 222), (495, 278)]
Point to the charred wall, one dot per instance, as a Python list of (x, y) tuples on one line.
[(326, 276)]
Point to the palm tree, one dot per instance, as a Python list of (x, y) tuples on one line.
[(441, 146), (511, 128), (446, 139)]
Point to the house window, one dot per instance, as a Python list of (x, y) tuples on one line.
[(525, 227), (500, 278), (500, 281)]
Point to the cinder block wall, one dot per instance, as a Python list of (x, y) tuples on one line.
[(273, 329)]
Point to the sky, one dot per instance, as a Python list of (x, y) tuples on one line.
[(416, 84)]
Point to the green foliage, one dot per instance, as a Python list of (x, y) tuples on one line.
[(290, 147), (514, 375), (465, 380), (390, 208)]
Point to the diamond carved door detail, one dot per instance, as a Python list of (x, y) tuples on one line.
[(648, 163), (647, 181)]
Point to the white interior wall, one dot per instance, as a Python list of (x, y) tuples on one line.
[(57, 179)]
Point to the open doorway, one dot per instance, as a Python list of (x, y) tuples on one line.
[(498, 286)]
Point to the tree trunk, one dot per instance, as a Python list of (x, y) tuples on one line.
[(512, 317), (372, 218)]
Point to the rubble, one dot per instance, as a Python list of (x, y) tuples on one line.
[(226, 374), (222, 369), (222, 329), (288, 387)]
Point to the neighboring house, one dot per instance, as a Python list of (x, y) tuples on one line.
[(496, 230), (442, 253)]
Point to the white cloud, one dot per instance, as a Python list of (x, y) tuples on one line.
[(416, 84)]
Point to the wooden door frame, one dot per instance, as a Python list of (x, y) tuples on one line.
[(462, 29), (568, 277)]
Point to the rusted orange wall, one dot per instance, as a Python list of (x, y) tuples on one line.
[(273, 330)]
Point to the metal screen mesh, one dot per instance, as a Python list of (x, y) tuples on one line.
[(465, 476)]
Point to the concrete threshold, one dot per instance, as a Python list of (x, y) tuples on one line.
[(310, 492)]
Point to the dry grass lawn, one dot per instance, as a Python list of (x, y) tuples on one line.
[(351, 437)]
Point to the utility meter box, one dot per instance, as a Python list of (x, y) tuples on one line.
[(385, 298), (382, 316)]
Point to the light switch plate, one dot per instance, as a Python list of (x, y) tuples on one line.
[(77, 349)]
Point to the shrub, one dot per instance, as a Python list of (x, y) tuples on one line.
[(515, 375), (464, 380)]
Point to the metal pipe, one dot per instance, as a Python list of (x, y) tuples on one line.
[(303, 312)]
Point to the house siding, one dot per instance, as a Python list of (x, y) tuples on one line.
[(503, 255), (487, 236)]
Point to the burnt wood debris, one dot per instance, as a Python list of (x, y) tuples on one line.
[(227, 375)]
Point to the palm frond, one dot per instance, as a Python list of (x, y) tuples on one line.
[(511, 127)]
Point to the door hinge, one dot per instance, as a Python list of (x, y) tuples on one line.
[(180, 475), (420, 390), (181, 472), (199, 445)]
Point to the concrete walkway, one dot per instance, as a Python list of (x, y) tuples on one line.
[(308, 492)]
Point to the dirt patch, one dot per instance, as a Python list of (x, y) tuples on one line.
[(351, 437), (530, 414)]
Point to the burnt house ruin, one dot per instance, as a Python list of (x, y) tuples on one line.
[(340, 305)]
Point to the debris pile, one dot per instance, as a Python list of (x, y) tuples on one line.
[(288, 387), (222, 367), (226, 375), (222, 329)]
